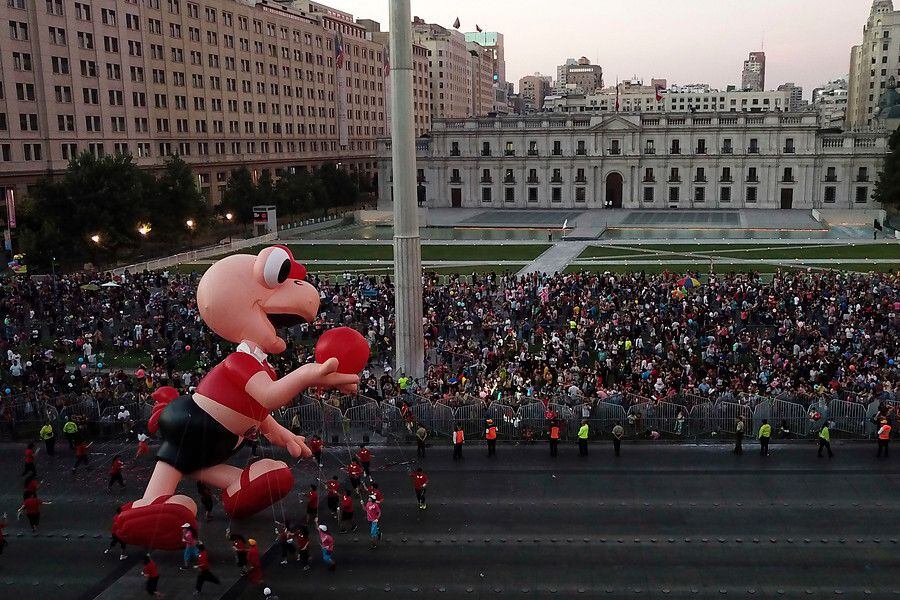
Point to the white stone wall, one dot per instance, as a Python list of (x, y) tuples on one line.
[(814, 152)]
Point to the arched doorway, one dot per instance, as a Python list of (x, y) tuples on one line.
[(613, 191)]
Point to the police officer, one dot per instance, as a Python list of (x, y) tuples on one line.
[(48, 437), (884, 438), (765, 432), (71, 430), (825, 441), (490, 434), (583, 439), (617, 434)]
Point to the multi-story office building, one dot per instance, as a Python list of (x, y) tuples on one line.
[(753, 75), (421, 78), (645, 100), (493, 42), (579, 77), (795, 95), (873, 63), (650, 160), (532, 90), (221, 83), (830, 101)]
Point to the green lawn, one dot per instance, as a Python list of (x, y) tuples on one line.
[(466, 270), (474, 251), (855, 251), (703, 267)]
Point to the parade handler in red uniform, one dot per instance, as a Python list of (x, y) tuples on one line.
[(243, 298)]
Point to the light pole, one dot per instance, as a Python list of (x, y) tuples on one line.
[(407, 245), (96, 244), (190, 225), (229, 217)]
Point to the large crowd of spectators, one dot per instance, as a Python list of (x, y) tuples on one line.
[(565, 337)]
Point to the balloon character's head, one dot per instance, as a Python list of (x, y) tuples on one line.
[(245, 297)]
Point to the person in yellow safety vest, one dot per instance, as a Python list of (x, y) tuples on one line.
[(583, 439), (71, 430), (48, 437), (490, 434), (884, 438), (554, 438), (825, 441), (459, 439), (765, 432)]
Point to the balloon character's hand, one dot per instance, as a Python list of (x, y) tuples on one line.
[(294, 444), (325, 375)]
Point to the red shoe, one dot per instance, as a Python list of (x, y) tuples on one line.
[(258, 494), (156, 525)]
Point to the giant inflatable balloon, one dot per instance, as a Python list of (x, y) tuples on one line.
[(244, 299)]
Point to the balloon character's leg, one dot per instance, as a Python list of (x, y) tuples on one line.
[(155, 521), (248, 491)]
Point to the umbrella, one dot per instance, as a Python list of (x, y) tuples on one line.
[(689, 282), (90, 287), (110, 284)]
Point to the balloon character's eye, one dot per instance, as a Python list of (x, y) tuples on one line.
[(277, 268)]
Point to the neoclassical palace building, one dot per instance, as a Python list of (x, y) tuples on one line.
[(634, 160)]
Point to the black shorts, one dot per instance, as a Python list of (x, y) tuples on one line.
[(34, 519), (152, 584), (191, 439), (333, 503), (346, 516), (312, 510)]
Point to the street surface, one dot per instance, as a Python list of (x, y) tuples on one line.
[(660, 521)]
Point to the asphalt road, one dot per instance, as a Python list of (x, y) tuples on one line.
[(660, 521)]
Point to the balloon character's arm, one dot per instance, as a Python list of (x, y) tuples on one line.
[(278, 435), (273, 394)]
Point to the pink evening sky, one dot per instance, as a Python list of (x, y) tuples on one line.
[(685, 41)]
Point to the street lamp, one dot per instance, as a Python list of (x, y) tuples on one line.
[(190, 225), (144, 229), (229, 216), (96, 239)]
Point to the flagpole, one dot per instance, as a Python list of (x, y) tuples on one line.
[(407, 245)]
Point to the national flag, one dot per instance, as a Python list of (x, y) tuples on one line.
[(456, 23), (658, 94), (617, 95), (386, 61), (477, 28), (338, 51)]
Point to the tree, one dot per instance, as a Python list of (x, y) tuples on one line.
[(97, 196), (240, 196), (341, 187), (176, 200), (887, 190)]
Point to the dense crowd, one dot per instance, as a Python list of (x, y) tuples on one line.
[(568, 337)]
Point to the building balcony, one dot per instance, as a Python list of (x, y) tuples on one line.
[(649, 150), (581, 180), (614, 151), (533, 180), (753, 150), (726, 179), (532, 153), (456, 180), (509, 180), (556, 153), (789, 150), (862, 179), (509, 153), (675, 151), (649, 179), (674, 179), (701, 150), (556, 180), (699, 179), (454, 153), (788, 180), (581, 152), (727, 150), (753, 180), (831, 178), (485, 153), (487, 180)]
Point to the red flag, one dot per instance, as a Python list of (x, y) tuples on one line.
[(477, 28), (658, 94), (617, 96), (338, 51), (456, 23)]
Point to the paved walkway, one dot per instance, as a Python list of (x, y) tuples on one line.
[(556, 258)]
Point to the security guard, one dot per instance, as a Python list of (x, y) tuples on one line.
[(884, 438), (71, 431), (490, 434), (825, 441), (618, 433), (554, 438), (583, 439), (765, 432), (49, 438)]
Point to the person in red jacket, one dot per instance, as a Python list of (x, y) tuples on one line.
[(255, 574), (365, 458), (301, 543), (81, 455), (316, 444), (420, 482), (355, 471), (31, 506), (347, 523), (29, 467), (334, 495), (239, 545), (312, 504), (115, 473), (151, 574), (203, 574)]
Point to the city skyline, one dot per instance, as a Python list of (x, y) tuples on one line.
[(809, 55)]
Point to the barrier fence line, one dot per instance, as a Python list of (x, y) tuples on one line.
[(359, 418)]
